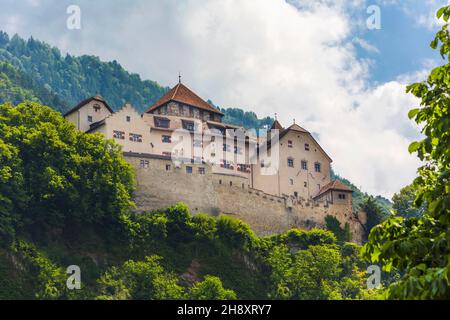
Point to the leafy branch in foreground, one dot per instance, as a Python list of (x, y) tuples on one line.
[(420, 246)]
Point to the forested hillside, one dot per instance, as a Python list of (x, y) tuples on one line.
[(82, 215)]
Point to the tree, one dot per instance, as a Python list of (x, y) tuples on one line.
[(334, 226), (404, 203), (374, 213), (310, 274), (420, 247), (57, 176), (139, 280), (235, 232), (211, 288)]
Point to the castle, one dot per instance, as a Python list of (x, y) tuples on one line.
[(182, 151)]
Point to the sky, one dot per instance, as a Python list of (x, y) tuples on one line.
[(316, 61)]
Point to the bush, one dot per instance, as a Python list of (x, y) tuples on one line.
[(211, 289), (235, 232)]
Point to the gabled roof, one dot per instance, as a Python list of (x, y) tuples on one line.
[(297, 128), (294, 127), (181, 93), (276, 126), (333, 185), (86, 101)]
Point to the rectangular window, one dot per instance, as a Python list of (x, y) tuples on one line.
[(201, 171), (128, 118), (189, 170), (118, 135), (188, 125), (304, 165), (162, 122), (307, 146), (168, 167), (135, 137), (289, 144), (89, 118), (166, 139), (341, 196), (317, 167), (144, 164), (291, 182), (290, 162)]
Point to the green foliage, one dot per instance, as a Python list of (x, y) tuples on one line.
[(50, 281), (403, 203), (375, 214), (16, 86), (139, 280), (248, 120), (211, 289), (235, 232), (302, 239), (334, 226), (313, 274), (81, 178), (420, 247)]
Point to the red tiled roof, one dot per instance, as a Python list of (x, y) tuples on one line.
[(181, 93), (86, 101), (333, 185)]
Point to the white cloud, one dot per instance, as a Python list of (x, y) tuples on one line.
[(266, 56)]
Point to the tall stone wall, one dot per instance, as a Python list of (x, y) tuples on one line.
[(217, 194)]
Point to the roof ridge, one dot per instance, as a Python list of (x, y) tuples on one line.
[(176, 91)]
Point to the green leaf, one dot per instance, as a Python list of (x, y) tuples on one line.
[(413, 147), (413, 113), (440, 12)]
